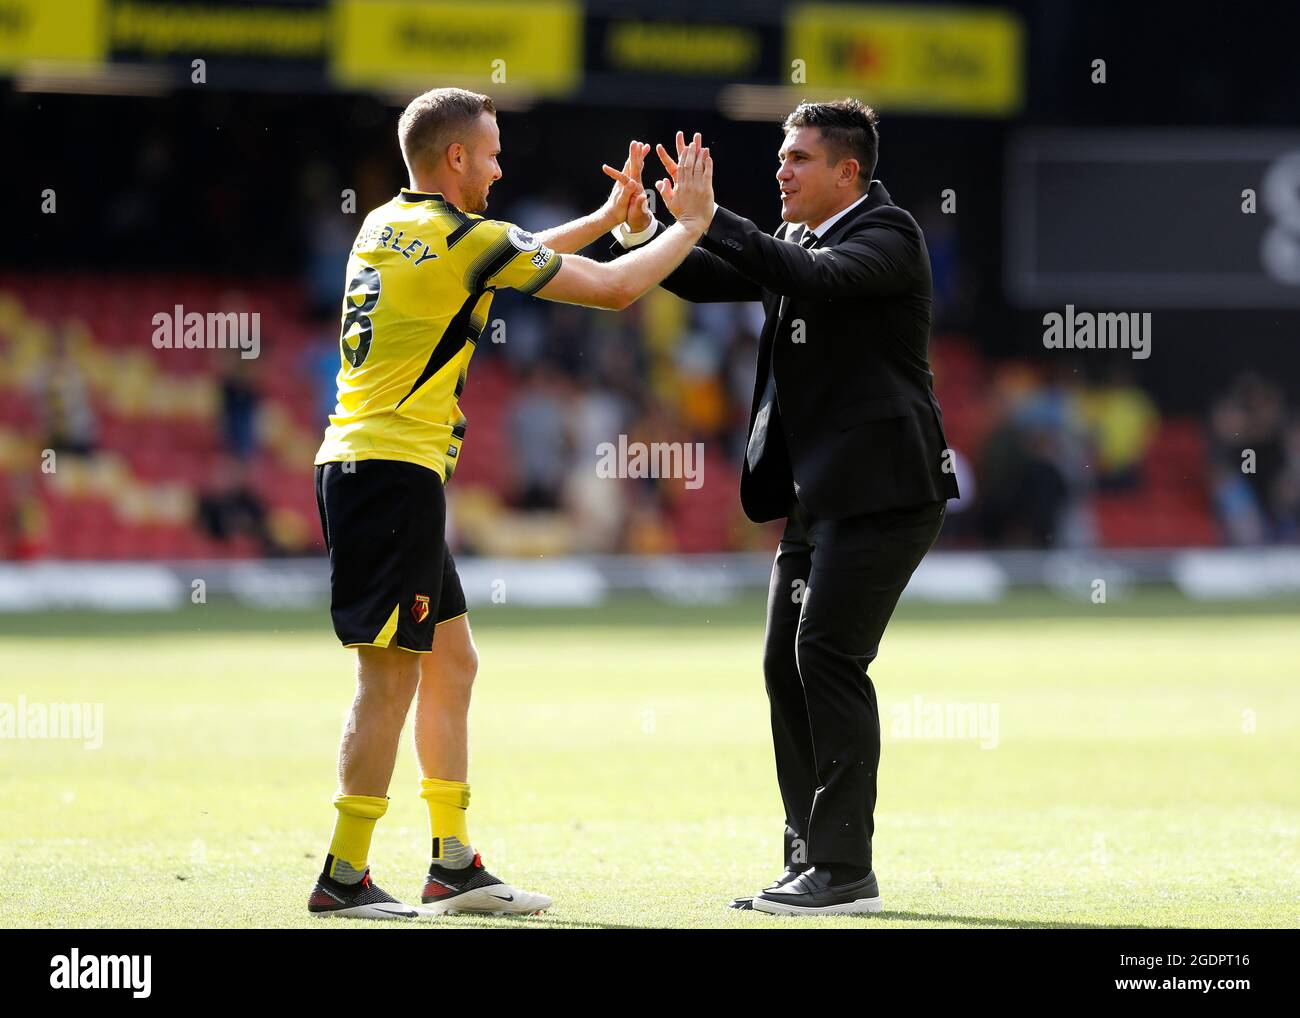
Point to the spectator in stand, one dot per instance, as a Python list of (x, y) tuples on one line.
[(1288, 487), (63, 393), (230, 508), (951, 294), (330, 232), (1032, 467), (1255, 463), (1044, 491), (1058, 459), (322, 361), (961, 524), (539, 438), (619, 355), (738, 378), (518, 331), (24, 529), (596, 505), (543, 210), (1122, 421), (532, 328), (701, 398), (569, 346), (647, 530), (239, 399)]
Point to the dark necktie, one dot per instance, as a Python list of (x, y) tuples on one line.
[(767, 405)]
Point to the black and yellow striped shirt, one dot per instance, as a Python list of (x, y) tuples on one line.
[(420, 282)]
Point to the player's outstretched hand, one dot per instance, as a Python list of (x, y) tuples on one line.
[(628, 202), (688, 189)]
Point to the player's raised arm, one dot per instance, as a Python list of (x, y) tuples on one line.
[(616, 285)]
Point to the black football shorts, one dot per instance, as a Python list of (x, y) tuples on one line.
[(392, 578)]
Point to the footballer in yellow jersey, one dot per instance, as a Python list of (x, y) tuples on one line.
[(420, 282), (419, 285)]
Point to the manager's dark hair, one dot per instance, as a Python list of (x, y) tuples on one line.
[(849, 129)]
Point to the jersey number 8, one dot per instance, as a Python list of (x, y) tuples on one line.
[(365, 287)]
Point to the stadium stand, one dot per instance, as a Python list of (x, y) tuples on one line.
[(154, 469)]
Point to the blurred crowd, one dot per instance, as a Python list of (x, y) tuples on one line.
[(1047, 455), (1255, 462), (1053, 440)]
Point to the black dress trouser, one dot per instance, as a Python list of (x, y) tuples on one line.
[(834, 587)]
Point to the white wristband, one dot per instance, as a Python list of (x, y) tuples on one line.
[(629, 239)]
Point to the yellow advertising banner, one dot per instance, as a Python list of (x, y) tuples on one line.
[(921, 59), (69, 31), (501, 45), (682, 48), (164, 29)]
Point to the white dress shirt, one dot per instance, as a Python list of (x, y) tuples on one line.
[(825, 227)]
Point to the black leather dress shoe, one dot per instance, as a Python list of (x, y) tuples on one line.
[(812, 893), (791, 872)]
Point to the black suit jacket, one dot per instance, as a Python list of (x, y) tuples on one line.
[(846, 336)]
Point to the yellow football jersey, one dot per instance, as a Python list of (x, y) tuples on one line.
[(420, 282)]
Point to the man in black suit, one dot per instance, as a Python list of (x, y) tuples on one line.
[(846, 444)]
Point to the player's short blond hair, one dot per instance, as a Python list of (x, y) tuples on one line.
[(434, 120)]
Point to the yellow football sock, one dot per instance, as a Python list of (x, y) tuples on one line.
[(350, 846), (448, 801)]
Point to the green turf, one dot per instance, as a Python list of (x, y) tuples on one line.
[(621, 762)]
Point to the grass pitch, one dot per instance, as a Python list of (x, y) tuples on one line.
[(1144, 771)]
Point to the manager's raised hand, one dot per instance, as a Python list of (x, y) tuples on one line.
[(688, 189), (670, 164)]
